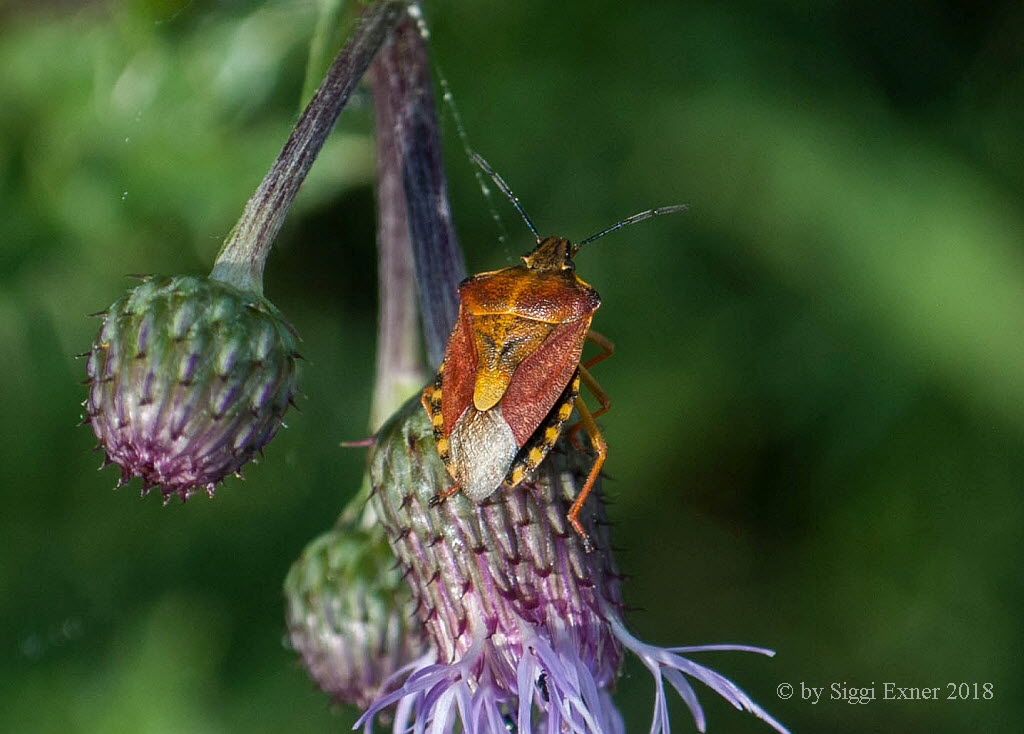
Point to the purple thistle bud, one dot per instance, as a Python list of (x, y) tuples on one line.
[(527, 626), (188, 378), (350, 614)]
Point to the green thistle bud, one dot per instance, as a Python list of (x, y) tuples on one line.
[(188, 378), (491, 577), (350, 614)]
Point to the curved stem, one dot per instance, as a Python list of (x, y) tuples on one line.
[(418, 250), (241, 259), (399, 365), (407, 116)]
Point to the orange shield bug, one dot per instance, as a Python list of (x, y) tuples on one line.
[(511, 372)]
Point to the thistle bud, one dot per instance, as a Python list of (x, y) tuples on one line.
[(527, 625), (188, 378), (505, 588), (350, 614)]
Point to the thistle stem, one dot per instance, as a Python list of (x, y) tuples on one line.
[(399, 365), (407, 121), (245, 251)]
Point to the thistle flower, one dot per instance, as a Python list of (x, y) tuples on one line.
[(188, 378), (527, 626), (523, 627), (350, 614)]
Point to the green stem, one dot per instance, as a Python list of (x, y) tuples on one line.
[(419, 253), (399, 365), (245, 251), (403, 90)]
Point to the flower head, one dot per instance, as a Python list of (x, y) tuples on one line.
[(188, 378), (526, 625), (350, 613)]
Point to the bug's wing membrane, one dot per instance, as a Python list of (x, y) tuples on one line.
[(541, 378), (459, 370), (482, 451)]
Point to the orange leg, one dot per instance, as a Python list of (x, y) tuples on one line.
[(442, 496), (601, 449), (605, 344), (602, 397)]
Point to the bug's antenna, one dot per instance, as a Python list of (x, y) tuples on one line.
[(453, 110), (633, 220), (500, 183)]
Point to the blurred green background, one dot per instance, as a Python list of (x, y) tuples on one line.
[(818, 422)]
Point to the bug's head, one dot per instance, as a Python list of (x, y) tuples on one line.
[(551, 255)]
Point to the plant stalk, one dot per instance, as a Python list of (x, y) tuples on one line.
[(245, 251)]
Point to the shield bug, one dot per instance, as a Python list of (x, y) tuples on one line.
[(511, 373)]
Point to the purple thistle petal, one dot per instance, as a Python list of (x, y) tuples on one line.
[(657, 658), (526, 674), (443, 720), (686, 692), (420, 681), (660, 721), (723, 648), (403, 711)]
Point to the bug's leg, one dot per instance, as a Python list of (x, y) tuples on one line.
[(601, 449), (442, 496), (431, 400), (599, 394), (540, 444), (606, 345)]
